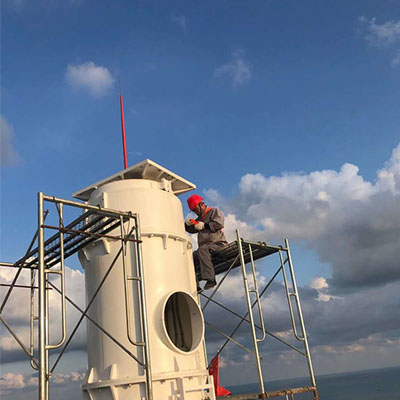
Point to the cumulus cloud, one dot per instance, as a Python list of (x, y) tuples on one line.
[(350, 223), (354, 331), (68, 377), (97, 80), (11, 383), (180, 21), (396, 61), (237, 69), (18, 317), (17, 386), (16, 5), (351, 330), (8, 155), (20, 5), (381, 35), (320, 284)]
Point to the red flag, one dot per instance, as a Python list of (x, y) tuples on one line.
[(213, 370)]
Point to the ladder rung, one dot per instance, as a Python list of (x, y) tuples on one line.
[(134, 278), (51, 271)]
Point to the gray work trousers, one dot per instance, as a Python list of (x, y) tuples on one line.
[(203, 255)]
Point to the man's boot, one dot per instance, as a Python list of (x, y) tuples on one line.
[(210, 284)]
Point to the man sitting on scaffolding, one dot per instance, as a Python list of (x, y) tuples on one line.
[(208, 226)]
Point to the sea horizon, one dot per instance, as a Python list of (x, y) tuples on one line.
[(365, 384)]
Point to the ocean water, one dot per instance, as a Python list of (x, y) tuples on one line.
[(377, 384)]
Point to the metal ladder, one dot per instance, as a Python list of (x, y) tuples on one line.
[(137, 277), (293, 293), (255, 291)]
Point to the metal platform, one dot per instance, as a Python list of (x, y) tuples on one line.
[(240, 253), (85, 229), (228, 256), (268, 395)]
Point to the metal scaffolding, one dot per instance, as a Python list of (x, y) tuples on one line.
[(48, 259), (239, 254)]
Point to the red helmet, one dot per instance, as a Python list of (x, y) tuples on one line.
[(193, 200)]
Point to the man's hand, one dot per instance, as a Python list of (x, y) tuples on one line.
[(199, 226), (190, 222)]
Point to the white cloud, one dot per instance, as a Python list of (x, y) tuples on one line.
[(18, 317), (69, 377), (396, 61), (180, 20), (21, 5), (16, 4), (350, 348), (351, 330), (351, 223), (381, 35), (320, 284), (8, 155), (238, 69), (97, 80), (246, 230), (11, 381)]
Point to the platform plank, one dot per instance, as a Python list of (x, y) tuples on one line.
[(223, 258)]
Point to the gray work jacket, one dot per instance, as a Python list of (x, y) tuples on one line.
[(212, 232)]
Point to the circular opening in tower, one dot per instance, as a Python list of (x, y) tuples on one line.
[(183, 322)]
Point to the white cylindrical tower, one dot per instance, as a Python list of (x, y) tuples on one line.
[(174, 319)]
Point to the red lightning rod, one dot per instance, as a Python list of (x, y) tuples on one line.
[(123, 131)]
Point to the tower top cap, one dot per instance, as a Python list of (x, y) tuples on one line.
[(146, 169)]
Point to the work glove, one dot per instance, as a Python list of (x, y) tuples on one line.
[(190, 222), (199, 226)]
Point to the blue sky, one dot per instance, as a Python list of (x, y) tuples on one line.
[(260, 104), (316, 93)]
